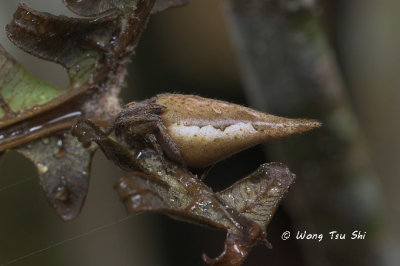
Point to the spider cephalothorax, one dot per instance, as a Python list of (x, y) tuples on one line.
[(141, 123)]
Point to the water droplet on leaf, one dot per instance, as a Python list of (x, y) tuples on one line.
[(61, 193)]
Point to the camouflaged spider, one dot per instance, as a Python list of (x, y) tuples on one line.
[(194, 131)]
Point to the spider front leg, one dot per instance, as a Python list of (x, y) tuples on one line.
[(87, 132), (156, 134), (170, 148)]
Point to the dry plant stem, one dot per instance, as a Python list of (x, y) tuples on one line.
[(289, 67)]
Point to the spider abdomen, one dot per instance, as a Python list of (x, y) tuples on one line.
[(207, 130)]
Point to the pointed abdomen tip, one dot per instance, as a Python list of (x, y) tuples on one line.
[(303, 125), (313, 124)]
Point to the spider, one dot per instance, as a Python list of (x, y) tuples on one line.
[(194, 131)]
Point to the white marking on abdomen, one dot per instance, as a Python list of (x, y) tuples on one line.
[(210, 133)]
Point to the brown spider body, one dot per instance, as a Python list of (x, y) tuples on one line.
[(199, 131)]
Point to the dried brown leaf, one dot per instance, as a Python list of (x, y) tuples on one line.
[(258, 195), (90, 49), (63, 166), (95, 52), (146, 193)]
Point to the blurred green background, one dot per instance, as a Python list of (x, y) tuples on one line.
[(190, 50)]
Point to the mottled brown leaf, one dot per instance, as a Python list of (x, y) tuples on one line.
[(63, 166), (94, 51), (257, 196), (144, 193), (90, 49), (80, 45), (140, 194), (75, 43)]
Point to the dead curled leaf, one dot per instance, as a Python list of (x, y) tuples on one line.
[(63, 168), (257, 195), (66, 41), (244, 209), (94, 52)]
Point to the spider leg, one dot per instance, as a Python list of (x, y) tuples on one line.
[(202, 173), (150, 127), (86, 131), (141, 112), (154, 135), (151, 138), (169, 146)]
